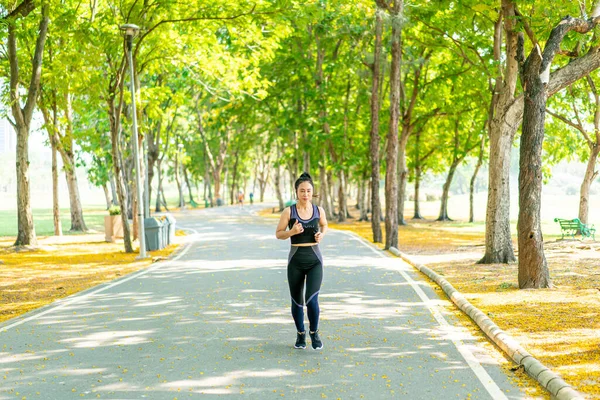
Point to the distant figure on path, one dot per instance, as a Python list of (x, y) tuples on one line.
[(241, 199), (251, 198), (306, 224)]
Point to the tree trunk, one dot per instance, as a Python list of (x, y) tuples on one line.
[(217, 180), (374, 134), (342, 206), (164, 200), (364, 209), (64, 143), (135, 227), (498, 242), (262, 175), (22, 117), (152, 155), (330, 209), (306, 158), (159, 178), (234, 183), (277, 184), (418, 172), (107, 196), (129, 184), (178, 181), (55, 200), (216, 165), (391, 176), (590, 175), (210, 195), (473, 179), (402, 175), (446, 192), (113, 190), (417, 190), (533, 268), (359, 194), (26, 233), (187, 183), (114, 114), (368, 199), (226, 186), (77, 221), (51, 128), (68, 157), (207, 184)]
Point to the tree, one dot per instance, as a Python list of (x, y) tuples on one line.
[(22, 115), (506, 117), (396, 10), (585, 114), (374, 135), (461, 147), (535, 75)]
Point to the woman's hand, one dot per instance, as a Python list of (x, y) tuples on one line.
[(297, 228), (318, 237)]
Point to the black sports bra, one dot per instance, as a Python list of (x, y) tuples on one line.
[(311, 226)]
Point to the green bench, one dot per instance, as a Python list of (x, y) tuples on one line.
[(572, 227)]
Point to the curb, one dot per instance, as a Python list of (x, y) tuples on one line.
[(558, 388)]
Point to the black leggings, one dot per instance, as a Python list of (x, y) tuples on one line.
[(305, 263)]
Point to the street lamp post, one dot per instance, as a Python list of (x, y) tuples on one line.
[(146, 181), (130, 31)]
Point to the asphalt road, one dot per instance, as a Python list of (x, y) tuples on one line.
[(215, 323)]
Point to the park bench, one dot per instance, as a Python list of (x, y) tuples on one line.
[(572, 227)]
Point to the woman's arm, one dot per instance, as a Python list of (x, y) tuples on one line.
[(282, 232), (322, 224)]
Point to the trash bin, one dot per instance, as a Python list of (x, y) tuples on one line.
[(171, 228), (153, 234)]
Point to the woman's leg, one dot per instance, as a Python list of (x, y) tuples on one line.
[(314, 278), (296, 277)]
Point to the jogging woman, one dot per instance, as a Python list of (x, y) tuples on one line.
[(304, 224)]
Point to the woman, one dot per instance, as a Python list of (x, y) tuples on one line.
[(306, 224)]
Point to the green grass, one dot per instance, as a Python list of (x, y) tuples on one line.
[(43, 221)]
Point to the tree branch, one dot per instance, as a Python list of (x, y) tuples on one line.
[(22, 10), (15, 99), (556, 37), (597, 111), (528, 29), (459, 46), (566, 120), (203, 18), (573, 71), (36, 74)]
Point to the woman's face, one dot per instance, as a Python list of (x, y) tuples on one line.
[(304, 191)]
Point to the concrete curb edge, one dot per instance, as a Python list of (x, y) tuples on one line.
[(553, 383)]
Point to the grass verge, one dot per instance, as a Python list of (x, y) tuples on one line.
[(59, 267)]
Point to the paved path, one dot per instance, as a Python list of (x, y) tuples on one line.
[(215, 323)]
